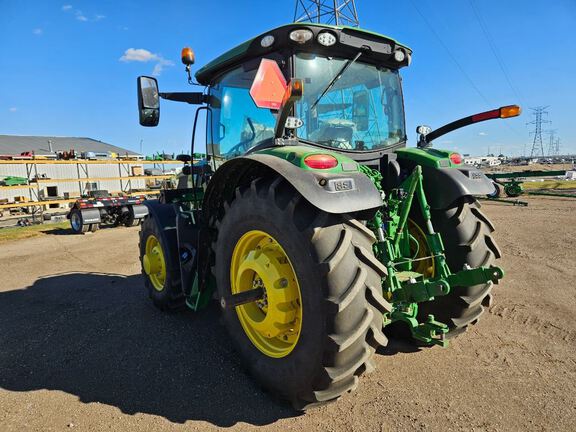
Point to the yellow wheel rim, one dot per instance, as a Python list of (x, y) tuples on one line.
[(154, 263), (425, 267), (274, 323)]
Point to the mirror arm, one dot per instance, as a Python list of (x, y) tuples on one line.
[(502, 112), (293, 94), (423, 141), (193, 98)]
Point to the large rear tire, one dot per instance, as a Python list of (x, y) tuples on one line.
[(467, 236), (161, 271), (337, 322)]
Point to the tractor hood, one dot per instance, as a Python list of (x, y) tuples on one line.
[(378, 49)]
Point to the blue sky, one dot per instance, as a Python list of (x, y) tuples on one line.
[(65, 68)]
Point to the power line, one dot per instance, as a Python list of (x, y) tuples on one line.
[(457, 63), (452, 57), (494, 50)]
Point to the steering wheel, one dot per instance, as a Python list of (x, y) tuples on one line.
[(246, 141)]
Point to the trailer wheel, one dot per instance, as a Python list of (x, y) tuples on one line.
[(158, 255), (77, 223), (131, 221), (317, 327), (467, 236)]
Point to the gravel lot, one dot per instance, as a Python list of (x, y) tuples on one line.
[(82, 348)]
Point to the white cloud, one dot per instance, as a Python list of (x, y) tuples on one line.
[(12, 109), (144, 56), (482, 133), (38, 31), (159, 67), (139, 55), (80, 16)]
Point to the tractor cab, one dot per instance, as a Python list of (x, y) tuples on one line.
[(351, 98), (352, 95)]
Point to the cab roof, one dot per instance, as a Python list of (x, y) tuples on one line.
[(379, 49)]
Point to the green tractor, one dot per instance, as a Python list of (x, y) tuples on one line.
[(309, 220)]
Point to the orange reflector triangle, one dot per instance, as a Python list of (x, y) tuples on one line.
[(269, 85)]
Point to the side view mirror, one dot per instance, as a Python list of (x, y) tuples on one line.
[(148, 101)]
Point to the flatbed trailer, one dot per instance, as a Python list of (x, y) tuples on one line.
[(88, 214)]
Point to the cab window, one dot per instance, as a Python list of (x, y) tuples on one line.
[(237, 123)]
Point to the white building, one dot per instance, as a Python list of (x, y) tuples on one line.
[(483, 161), (57, 179)]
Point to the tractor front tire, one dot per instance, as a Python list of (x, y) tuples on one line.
[(467, 237), (332, 272), (161, 271)]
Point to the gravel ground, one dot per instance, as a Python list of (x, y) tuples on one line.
[(82, 348)]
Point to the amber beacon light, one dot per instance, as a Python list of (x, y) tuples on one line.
[(187, 56)]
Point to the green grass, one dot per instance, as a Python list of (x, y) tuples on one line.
[(550, 185), (19, 233)]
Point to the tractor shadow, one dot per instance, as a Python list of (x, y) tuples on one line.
[(97, 336), (399, 341)]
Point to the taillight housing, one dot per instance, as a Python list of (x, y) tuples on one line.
[(456, 158), (321, 161)]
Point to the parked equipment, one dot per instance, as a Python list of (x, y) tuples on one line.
[(87, 214), (310, 220), (13, 181), (511, 183)]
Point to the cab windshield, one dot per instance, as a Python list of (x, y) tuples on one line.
[(362, 111)]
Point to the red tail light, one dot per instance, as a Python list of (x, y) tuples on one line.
[(321, 161), (456, 158)]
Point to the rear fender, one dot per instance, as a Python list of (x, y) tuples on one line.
[(338, 193), (139, 211), (90, 216), (444, 181)]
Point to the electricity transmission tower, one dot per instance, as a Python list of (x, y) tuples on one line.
[(537, 144), (557, 146), (552, 142), (337, 12)]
